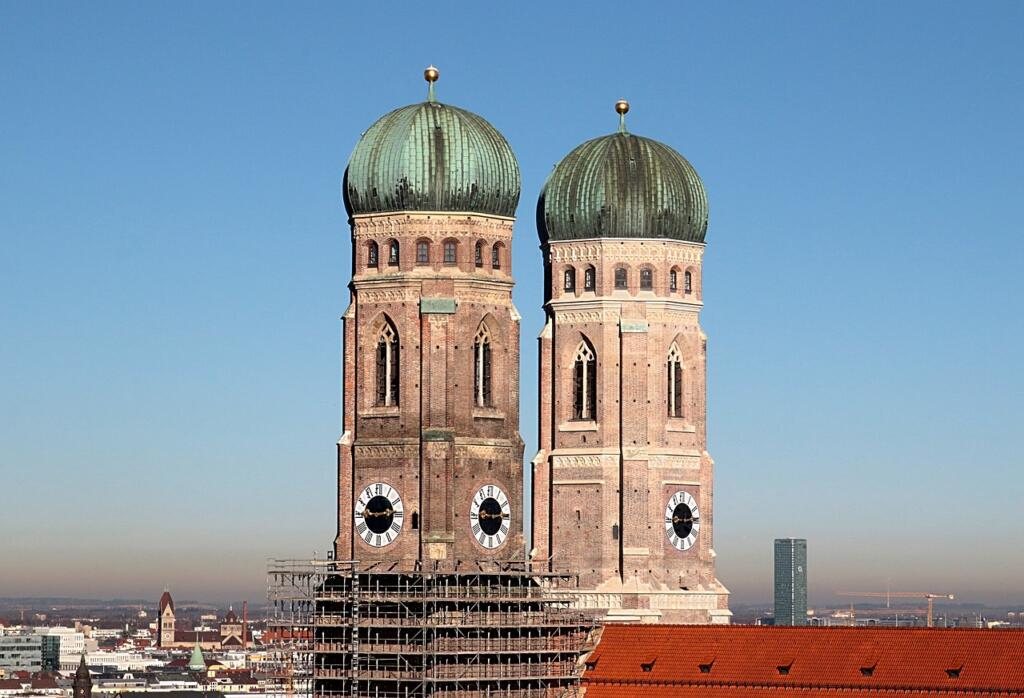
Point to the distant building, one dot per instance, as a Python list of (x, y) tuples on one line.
[(790, 581), (49, 648), (72, 645), (21, 653), (229, 635)]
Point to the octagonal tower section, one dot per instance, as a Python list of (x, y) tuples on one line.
[(430, 458), (623, 482)]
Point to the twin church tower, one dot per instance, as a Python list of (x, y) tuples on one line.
[(430, 461)]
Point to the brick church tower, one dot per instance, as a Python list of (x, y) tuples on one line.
[(622, 487), (430, 458)]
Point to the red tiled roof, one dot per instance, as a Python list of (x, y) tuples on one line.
[(181, 636), (637, 691), (166, 600), (44, 681), (682, 660)]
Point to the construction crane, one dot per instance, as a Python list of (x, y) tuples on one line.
[(887, 595)]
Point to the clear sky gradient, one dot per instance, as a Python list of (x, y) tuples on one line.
[(175, 256)]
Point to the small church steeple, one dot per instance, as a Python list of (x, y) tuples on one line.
[(197, 662), (82, 686)]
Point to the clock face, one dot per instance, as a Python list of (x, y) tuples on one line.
[(490, 516), (682, 520), (379, 514)]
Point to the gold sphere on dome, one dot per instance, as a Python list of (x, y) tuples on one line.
[(622, 106), (431, 74)]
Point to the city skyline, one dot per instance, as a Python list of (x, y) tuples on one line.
[(180, 253)]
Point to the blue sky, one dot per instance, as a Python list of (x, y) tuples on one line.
[(175, 258)]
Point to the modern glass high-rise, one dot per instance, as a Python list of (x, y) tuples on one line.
[(790, 581)]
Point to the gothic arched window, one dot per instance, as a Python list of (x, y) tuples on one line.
[(482, 368), (570, 279), (673, 281), (620, 278), (496, 256), (372, 255), (387, 366), (675, 382), (646, 279), (589, 280), (584, 382), (450, 252), (687, 282), (393, 253), (423, 252), (478, 254)]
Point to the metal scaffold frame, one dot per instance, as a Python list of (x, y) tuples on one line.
[(451, 630)]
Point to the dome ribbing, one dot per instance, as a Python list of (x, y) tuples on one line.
[(623, 186), (432, 157)]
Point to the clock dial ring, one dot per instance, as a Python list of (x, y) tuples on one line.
[(682, 520), (490, 516), (379, 514)]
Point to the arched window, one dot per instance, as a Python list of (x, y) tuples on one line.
[(387, 366), (688, 282), (482, 368), (570, 279), (673, 281), (675, 382), (496, 256), (584, 382), (589, 280), (393, 253), (415, 521), (620, 278), (423, 252), (372, 254), (478, 254), (646, 279), (450, 252)]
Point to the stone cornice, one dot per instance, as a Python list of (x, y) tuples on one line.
[(433, 225), (417, 215), (625, 249), (611, 308)]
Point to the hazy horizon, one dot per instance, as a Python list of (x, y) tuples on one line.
[(176, 255)]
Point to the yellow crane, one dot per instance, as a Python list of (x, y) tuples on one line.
[(887, 595)]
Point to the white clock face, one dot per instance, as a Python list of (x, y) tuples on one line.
[(490, 516), (682, 520), (379, 514)]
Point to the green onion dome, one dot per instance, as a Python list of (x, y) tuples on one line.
[(623, 186), (432, 157)]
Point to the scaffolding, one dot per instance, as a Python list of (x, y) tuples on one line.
[(450, 630), (288, 643)]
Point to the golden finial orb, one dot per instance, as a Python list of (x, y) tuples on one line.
[(622, 106), (431, 74)]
